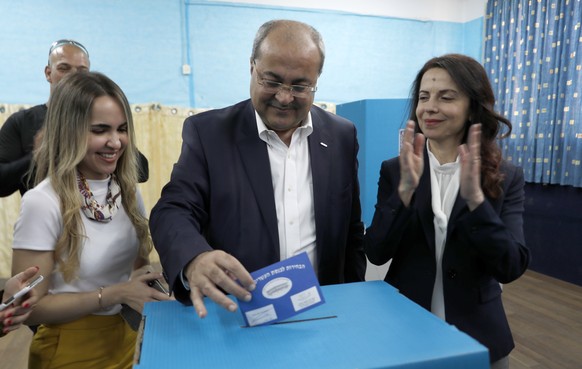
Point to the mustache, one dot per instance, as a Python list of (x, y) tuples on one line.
[(274, 103)]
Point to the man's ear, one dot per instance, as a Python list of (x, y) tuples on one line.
[(47, 73)]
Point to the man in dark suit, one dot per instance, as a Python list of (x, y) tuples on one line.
[(263, 180)]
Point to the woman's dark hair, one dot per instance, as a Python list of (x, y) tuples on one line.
[(471, 78)]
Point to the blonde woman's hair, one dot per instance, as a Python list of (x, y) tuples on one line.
[(64, 145)]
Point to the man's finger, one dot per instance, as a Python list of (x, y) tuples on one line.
[(217, 296), (197, 301), (227, 281), (235, 271)]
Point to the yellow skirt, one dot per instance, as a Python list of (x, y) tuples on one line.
[(100, 342)]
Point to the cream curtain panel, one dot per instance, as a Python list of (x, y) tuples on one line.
[(9, 207), (159, 138)]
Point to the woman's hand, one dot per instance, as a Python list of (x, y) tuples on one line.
[(135, 292), (12, 317), (470, 182), (411, 162)]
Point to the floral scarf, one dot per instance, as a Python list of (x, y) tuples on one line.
[(91, 208)]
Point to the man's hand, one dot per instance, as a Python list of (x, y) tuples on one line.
[(214, 270)]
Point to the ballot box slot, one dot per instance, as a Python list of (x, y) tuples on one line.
[(297, 321)]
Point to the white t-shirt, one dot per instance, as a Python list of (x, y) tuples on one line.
[(108, 251)]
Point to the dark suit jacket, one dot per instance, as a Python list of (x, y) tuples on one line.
[(220, 196), (483, 247)]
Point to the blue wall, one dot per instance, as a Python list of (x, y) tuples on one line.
[(143, 44), (137, 43), (378, 123)]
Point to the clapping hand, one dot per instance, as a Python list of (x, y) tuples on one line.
[(411, 162), (470, 181)]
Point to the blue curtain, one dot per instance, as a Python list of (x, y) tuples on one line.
[(533, 56)]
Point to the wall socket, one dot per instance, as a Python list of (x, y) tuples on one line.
[(186, 69)]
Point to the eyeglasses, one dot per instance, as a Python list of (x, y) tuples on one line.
[(62, 42), (273, 87)]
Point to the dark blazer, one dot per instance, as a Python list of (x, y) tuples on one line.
[(483, 248), (220, 196)]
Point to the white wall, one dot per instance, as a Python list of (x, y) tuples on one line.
[(439, 10)]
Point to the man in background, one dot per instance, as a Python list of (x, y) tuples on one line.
[(17, 135)]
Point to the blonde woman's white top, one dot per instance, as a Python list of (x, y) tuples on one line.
[(108, 251)]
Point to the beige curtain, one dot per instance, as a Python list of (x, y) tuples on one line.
[(9, 207), (159, 138)]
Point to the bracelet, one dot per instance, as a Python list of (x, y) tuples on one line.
[(100, 294)]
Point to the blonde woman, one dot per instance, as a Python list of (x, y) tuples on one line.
[(84, 225)]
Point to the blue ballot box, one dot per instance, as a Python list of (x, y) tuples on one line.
[(361, 325)]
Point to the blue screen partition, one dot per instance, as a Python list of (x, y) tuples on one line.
[(378, 123)]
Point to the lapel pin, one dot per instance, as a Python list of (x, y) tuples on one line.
[(323, 144)]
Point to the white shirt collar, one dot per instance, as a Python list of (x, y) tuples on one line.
[(305, 129)]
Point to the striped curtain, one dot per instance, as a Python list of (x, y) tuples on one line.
[(533, 55)]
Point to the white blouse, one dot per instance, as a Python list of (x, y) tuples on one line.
[(444, 184)]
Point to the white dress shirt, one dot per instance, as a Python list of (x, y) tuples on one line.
[(293, 189)]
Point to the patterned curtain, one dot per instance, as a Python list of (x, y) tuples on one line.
[(533, 55)]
